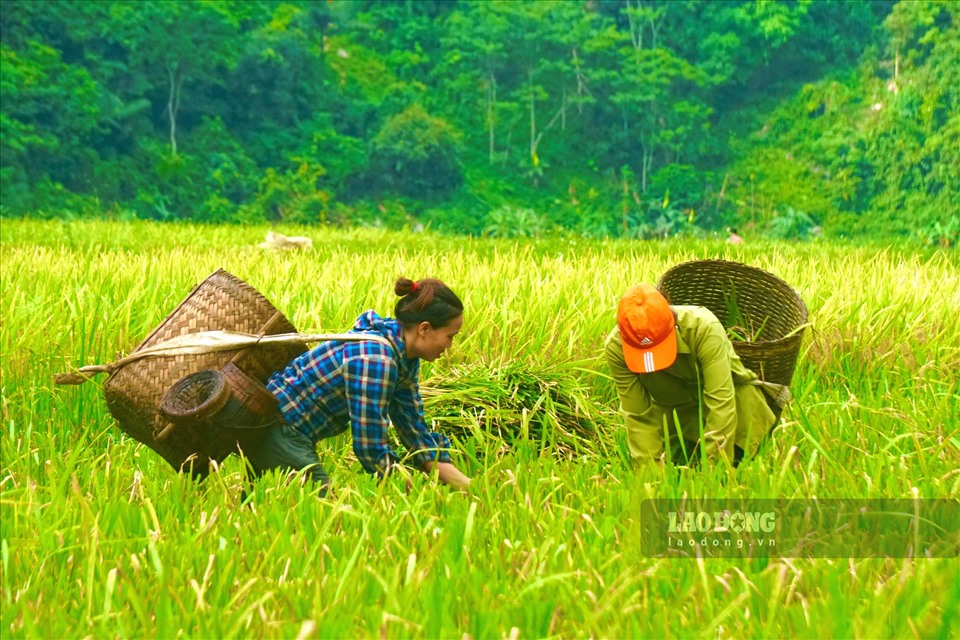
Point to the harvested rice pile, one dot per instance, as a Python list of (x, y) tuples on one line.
[(547, 405)]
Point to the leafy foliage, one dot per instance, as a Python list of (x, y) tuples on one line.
[(586, 113), (875, 151), (418, 154), (509, 222)]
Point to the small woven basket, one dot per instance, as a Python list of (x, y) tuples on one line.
[(760, 296), (224, 406), (250, 405), (134, 392), (195, 398)]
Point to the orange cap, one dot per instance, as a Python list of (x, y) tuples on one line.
[(647, 329)]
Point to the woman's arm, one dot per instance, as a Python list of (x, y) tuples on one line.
[(448, 474), (642, 418), (368, 377), (406, 413), (713, 352)]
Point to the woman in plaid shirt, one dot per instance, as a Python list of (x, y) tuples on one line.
[(364, 386)]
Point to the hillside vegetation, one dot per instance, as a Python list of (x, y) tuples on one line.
[(636, 118)]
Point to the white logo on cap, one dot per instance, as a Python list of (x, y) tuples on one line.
[(646, 340)]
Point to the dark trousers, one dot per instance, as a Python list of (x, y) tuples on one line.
[(283, 447)]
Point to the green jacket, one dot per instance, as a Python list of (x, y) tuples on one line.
[(733, 406)]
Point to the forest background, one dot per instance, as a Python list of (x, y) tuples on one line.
[(632, 118)]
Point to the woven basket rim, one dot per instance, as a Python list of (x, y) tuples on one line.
[(188, 300), (731, 265)]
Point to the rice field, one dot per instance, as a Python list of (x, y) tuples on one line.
[(99, 537)]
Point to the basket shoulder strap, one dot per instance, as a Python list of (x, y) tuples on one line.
[(209, 342)]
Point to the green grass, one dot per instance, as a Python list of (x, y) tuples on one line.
[(100, 538)]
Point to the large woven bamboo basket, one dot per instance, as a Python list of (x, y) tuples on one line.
[(760, 296), (134, 392)]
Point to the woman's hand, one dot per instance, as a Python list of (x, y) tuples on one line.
[(448, 474)]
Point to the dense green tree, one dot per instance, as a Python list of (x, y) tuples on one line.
[(474, 66), (417, 154), (49, 117)]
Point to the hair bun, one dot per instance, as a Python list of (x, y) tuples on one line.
[(427, 300), (403, 287)]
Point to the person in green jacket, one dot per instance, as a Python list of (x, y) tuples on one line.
[(679, 380)]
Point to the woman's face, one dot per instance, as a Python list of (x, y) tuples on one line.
[(429, 342)]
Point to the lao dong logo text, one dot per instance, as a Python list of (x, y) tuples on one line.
[(721, 521), (800, 528)]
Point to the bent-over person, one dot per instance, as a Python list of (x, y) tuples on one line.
[(679, 379), (365, 386)]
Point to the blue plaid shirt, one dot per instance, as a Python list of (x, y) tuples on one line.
[(363, 385)]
